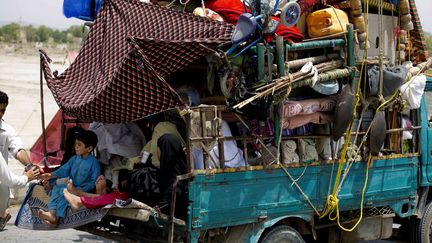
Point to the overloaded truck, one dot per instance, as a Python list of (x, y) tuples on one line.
[(301, 121)]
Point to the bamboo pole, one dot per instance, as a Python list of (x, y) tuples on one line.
[(419, 69), (281, 83), (323, 77), (322, 67), (295, 64)]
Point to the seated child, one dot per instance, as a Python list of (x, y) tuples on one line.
[(83, 169), (104, 195)]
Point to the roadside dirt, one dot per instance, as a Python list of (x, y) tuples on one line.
[(19, 78)]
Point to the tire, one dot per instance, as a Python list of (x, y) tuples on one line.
[(425, 226), (281, 234)]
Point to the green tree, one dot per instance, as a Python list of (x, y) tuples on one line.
[(10, 32), (43, 33), (429, 42), (30, 32), (59, 36), (76, 31)]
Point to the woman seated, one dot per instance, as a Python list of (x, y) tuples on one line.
[(104, 195)]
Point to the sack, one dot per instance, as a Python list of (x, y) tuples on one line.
[(393, 78), (143, 185), (413, 91)]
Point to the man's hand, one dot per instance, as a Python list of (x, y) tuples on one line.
[(30, 165), (32, 173), (46, 176), (41, 170), (46, 185)]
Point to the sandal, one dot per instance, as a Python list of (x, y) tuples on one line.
[(3, 221)]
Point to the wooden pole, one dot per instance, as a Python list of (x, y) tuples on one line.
[(42, 109)]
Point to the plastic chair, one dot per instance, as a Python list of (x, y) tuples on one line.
[(245, 28)]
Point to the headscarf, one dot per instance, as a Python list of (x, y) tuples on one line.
[(160, 129), (172, 154)]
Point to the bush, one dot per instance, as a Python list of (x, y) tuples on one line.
[(429, 42), (10, 33)]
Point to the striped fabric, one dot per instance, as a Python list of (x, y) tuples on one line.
[(119, 73), (417, 35)]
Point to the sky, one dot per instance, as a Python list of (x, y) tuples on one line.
[(423, 7), (36, 12), (50, 13)]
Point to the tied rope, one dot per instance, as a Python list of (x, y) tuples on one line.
[(332, 205)]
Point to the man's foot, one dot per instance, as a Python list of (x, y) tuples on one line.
[(74, 201), (4, 220), (47, 217)]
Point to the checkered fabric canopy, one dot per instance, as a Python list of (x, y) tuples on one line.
[(119, 73)]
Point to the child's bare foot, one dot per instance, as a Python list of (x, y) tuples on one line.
[(49, 223), (48, 217), (74, 201)]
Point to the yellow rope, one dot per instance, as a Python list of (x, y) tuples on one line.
[(332, 204), (333, 201), (361, 201)]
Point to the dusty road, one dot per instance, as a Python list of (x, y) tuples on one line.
[(13, 234), (19, 78)]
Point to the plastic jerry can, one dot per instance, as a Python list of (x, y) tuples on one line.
[(326, 21)]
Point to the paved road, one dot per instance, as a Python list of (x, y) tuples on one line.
[(19, 78)]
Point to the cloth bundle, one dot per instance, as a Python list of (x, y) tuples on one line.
[(231, 11)]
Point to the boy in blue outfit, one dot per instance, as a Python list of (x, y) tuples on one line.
[(83, 169)]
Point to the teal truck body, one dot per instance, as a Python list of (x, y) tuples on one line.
[(256, 203), (264, 197)]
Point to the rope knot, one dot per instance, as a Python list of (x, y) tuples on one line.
[(332, 201)]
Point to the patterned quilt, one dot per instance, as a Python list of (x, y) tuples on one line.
[(37, 199)]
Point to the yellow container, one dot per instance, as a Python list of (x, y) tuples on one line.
[(326, 22)]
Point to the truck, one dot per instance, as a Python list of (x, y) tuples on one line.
[(283, 203), (375, 179)]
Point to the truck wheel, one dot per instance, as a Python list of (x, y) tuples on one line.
[(280, 234), (425, 227)]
